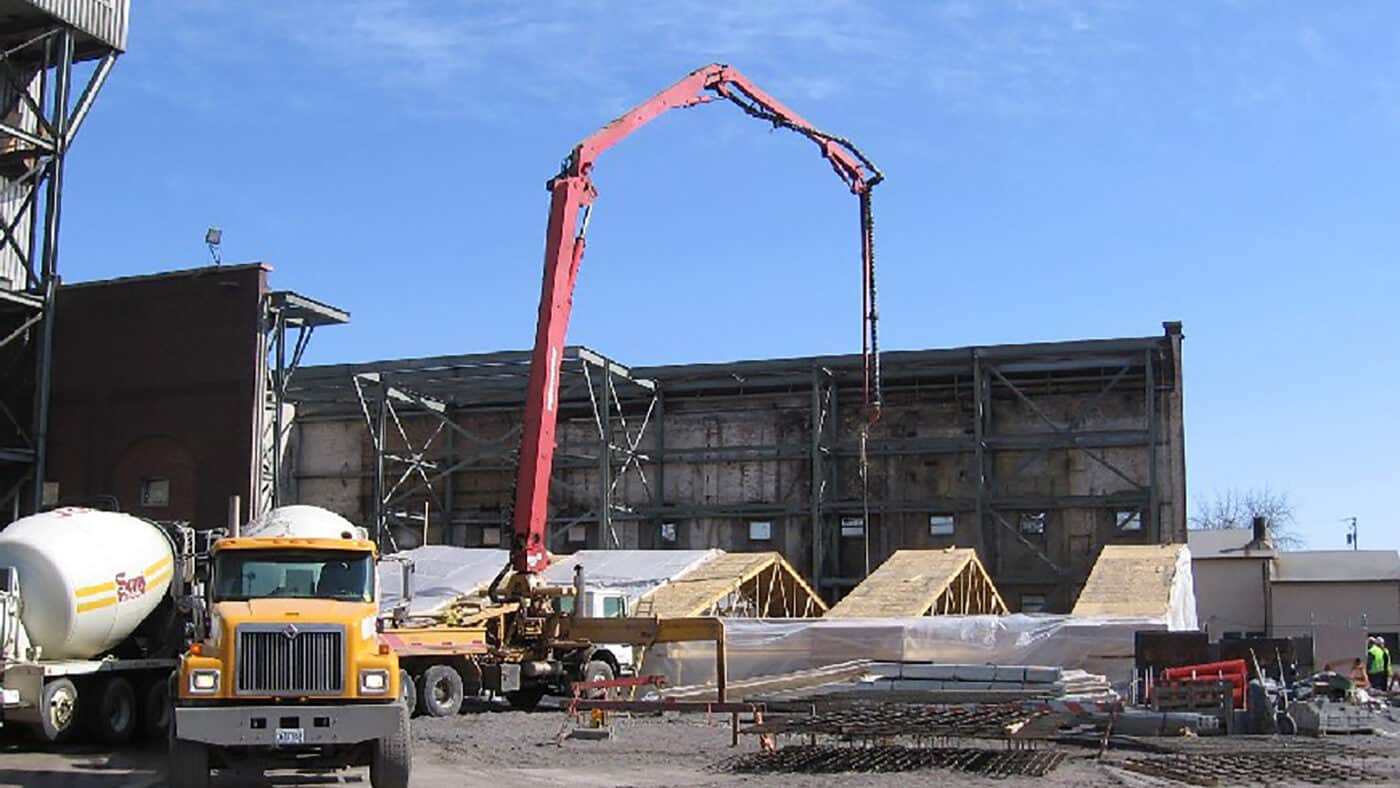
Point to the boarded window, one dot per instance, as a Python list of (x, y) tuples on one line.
[(1032, 603), (490, 537), (1033, 523), (1129, 520), (941, 524), (853, 526), (760, 531), (578, 533), (155, 493)]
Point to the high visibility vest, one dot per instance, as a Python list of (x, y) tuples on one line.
[(1375, 659)]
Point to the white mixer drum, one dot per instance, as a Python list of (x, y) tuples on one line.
[(300, 521), (88, 578)]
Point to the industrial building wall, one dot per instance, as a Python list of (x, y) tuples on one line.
[(155, 392), (1078, 445)]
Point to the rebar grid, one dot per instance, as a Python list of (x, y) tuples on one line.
[(826, 759)]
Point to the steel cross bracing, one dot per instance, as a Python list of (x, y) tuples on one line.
[(418, 446), (40, 116)]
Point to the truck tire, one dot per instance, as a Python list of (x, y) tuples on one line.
[(408, 692), (58, 710), (598, 670), (525, 699), (391, 763), (441, 691), (189, 761), (112, 714), (155, 710)]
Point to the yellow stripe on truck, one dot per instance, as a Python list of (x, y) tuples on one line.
[(154, 580), (95, 604), (157, 566), (95, 590)]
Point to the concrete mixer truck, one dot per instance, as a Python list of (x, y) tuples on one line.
[(94, 608)]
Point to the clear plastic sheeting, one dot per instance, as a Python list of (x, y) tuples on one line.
[(440, 574), (633, 573), (770, 647)]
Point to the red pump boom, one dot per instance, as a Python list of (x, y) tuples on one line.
[(572, 196)]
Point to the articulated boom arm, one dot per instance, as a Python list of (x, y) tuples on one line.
[(572, 196)]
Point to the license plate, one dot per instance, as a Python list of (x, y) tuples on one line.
[(286, 736)]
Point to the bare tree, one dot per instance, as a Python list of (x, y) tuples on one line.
[(1238, 508)]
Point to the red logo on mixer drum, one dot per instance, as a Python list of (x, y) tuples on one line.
[(130, 589)]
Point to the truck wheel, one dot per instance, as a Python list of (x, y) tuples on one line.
[(526, 699), (391, 763), (598, 670), (113, 715), (408, 692), (441, 691), (189, 762), (155, 711), (58, 710)]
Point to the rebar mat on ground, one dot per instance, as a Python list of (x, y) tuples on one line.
[(984, 721), (826, 759), (1234, 769)]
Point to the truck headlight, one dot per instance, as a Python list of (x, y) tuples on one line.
[(374, 682), (204, 682)]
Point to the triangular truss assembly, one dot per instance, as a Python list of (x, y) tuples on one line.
[(736, 585), (923, 583)]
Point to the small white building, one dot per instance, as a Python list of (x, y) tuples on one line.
[(1244, 586)]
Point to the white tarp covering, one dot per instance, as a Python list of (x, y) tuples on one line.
[(440, 574), (777, 646), (1181, 605), (443, 573), (634, 573)]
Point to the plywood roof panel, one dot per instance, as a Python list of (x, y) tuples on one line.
[(1130, 580)]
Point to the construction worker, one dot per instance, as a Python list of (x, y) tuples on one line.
[(1378, 664)]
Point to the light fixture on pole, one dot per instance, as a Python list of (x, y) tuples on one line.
[(1351, 535), (213, 237)]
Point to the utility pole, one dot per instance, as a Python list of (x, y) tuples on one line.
[(1351, 537)]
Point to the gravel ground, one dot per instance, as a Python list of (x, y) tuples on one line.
[(507, 748), (519, 749)]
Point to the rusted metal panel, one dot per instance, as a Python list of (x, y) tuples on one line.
[(155, 377)]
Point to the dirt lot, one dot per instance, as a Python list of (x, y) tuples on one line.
[(518, 749)]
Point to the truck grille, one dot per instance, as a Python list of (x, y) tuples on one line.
[(287, 659)]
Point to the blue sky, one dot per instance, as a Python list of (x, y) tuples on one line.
[(1057, 170)]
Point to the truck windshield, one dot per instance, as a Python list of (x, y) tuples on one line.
[(240, 575)]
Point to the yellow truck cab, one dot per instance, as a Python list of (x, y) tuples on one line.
[(291, 668)]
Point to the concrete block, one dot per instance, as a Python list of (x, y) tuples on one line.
[(975, 672), (1014, 673), (924, 670), (1041, 674)]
